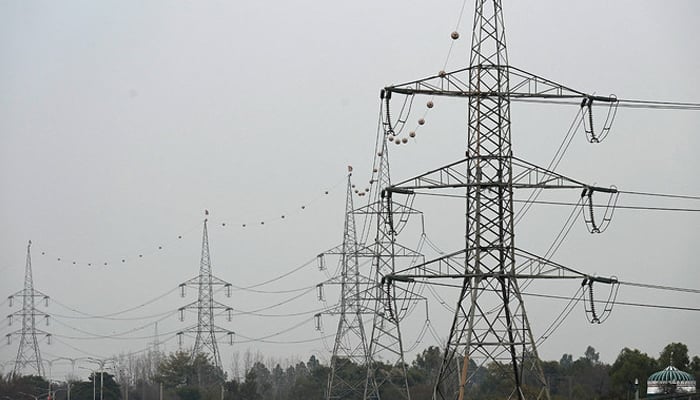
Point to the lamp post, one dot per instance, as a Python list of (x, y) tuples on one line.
[(101, 363), (93, 380)]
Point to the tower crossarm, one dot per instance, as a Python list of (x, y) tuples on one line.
[(196, 281), (396, 207), (338, 310), (339, 280), (525, 176), (528, 267), (362, 251), (523, 84), (215, 305)]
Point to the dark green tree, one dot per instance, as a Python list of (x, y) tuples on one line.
[(263, 380), (179, 369), (630, 365), (675, 354), (695, 367), (249, 388), (101, 383)]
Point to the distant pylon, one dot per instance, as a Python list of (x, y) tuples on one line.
[(350, 348), (385, 364), (206, 329), (28, 353)]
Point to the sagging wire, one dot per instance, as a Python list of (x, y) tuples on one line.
[(403, 115), (587, 107), (593, 316), (286, 274), (263, 339), (440, 300), (283, 302), (421, 335), (111, 315), (432, 245), (556, 243), (590, 217), (553, 164), (556, 323), (118, 336)]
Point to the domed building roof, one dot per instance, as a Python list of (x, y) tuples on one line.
[(670, 380), (671, 374)]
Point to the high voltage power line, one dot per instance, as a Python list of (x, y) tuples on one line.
[(383, 299), (487, 268)]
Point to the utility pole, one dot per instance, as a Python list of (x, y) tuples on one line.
[(490, 325), (206, 329), (28, 353)]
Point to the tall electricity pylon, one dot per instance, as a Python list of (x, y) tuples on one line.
[(490, 325), (206, 329), (350, 348), (28, 354), (386, 367)]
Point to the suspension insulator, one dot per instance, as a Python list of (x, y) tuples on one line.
[(391, 138), (412, 134), (421, 121), (454, 35), (404, 140), (430, 104)]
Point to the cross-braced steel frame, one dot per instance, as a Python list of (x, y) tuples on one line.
[(490, 325), (206, 329), (28, 352), (350, 347)]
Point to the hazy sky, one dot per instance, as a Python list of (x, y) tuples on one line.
[(120, 122)]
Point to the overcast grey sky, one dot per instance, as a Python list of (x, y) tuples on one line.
[(120, 122)]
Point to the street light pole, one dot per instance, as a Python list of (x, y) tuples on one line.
[(102, 382), (93, 380)]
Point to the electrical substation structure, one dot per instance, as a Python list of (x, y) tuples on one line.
[(28, 352), (206, 329)]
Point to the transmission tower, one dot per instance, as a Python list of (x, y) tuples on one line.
[(28, 354), (386, 367), (350, 348), (490, 324), (206, 329)]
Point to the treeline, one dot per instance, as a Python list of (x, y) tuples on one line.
[(179, 377)]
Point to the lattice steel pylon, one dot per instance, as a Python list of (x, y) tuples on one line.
[(490, 324), (350, 347), (386, 367), (206, 329), (28, 353)]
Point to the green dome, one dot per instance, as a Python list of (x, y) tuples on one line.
[(671, 374)]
